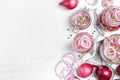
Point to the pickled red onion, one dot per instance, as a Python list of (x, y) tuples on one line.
[(83, 44), (118, 41), (118, 54), (110, 17), (107, 48), (79, 44), (81, 19), (115, 41), (85, 36), (109, 55), (111, 20), (110, 50), (107, 19), (117, 15)]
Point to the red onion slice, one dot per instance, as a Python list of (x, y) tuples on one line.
[(69, 57), (118, 42), (110, 53), (115, 42), (117, 15), (64, 69), (110, 18), (85, 43), (67, 72), (60, 67)]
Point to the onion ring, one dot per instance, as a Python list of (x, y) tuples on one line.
[(64, 68), (69, 57)]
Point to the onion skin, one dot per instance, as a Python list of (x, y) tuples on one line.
[(118, 70), (103, 73), (69, 4), (85, 70)]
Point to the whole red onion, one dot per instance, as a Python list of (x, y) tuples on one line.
[(85, 70), (103, 73), (118, 70), (69, 4)]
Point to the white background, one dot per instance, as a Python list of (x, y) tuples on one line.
[(33, 37)]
